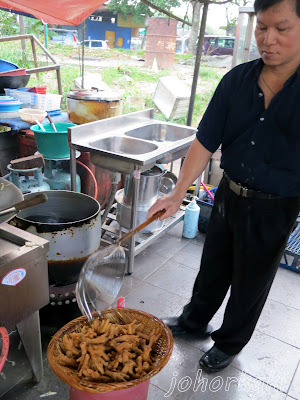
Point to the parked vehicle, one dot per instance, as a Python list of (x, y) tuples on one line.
[(64, 36), (100, 44), (218, 45)]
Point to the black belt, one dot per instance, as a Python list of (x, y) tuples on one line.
[(243, 191)]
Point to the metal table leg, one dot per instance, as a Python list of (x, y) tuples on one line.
[(135, 200), (30, 333), (73, 168)]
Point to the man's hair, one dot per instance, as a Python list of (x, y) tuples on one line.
[(262, 5)]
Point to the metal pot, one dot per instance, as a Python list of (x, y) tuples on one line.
[(124, 214), (149, 187), (90, 105), (72, 224), (167, 183)]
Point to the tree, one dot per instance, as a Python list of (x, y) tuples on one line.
[(139, 9), (195, 26), (231, 14), (8, 24)]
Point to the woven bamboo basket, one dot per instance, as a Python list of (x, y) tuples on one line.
[(162, 349)]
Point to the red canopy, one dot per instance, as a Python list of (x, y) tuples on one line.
[(61, 12)]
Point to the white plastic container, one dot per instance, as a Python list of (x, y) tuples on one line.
[(191, 217), (46, 102)]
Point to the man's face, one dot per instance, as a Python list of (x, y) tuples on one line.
[(277, 34)]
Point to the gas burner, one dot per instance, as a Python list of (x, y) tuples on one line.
[(62, 295)]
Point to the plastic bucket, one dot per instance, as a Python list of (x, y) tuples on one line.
[(53, 145), (137, 392)]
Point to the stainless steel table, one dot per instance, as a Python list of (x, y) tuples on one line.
[(131, 144)]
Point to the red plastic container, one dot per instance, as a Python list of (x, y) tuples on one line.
[(137, 392), (38, 89)]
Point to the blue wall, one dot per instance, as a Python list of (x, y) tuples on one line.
[(96, 30)]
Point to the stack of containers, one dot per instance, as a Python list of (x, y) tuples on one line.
[(46, 102), (9, 107)]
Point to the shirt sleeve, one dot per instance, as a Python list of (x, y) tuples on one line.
[(211, 127)]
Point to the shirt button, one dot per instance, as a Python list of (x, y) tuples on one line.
[(242, 164), (260, 94), (262, 119), (252, 142)]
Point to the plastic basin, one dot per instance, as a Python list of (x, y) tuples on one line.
[(53, 145)]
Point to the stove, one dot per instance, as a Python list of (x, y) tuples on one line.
[(24, 288)]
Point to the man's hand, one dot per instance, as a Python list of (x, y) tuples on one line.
[(194, 164), (171, 203)]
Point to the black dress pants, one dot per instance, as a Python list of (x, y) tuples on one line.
[(244, 244)]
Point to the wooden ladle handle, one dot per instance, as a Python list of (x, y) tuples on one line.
[(132, 232), (32, 201), (155, 216)]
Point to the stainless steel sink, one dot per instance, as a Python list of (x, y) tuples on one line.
[(130, 142), (123, 145), (159, 132)]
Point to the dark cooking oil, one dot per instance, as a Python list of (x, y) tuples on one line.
[(44, 219)]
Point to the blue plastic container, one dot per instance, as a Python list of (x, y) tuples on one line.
[(10, 106)]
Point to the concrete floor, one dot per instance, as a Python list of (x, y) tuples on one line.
[(267, 368)]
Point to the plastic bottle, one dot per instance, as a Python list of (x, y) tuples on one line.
[(191, 217)]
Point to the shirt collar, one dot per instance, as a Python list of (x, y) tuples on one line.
[(258, 66)]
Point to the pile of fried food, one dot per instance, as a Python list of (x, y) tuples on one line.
[(107, 352)]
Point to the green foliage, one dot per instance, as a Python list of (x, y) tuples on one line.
[(8, 24), (12, 51), (35, 27), (135, 8), (139, 9)]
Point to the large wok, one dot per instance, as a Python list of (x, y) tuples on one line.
[(13, 82)]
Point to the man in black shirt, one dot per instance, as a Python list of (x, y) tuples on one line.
[(254, 116)]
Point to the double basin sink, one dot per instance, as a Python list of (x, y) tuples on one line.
[(137, 142)]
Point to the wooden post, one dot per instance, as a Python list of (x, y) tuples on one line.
[(34, 54), (58, 77), (23, 43)]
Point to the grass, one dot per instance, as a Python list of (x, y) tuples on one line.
[(136, 82)]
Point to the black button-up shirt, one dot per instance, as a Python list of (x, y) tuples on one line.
[(260, 147)]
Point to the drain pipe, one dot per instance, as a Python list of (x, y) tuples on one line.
[(115, 178)]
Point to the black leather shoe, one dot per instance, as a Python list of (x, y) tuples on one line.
[(215, 360), (178, 329)]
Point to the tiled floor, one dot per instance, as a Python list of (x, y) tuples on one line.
[(267, 368)]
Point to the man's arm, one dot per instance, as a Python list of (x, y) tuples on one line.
[(194, 164)]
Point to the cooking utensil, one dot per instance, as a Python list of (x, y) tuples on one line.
[(124, 212), (207, 191), (40, 125), (52, 123), (10, 212), (101, 277), (148, 189), (30, 115), (9, 194), (71, 222), (13, 82), (91, 105)]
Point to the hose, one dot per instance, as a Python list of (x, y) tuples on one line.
[(5, 346), (93, 177), (114, 188)]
